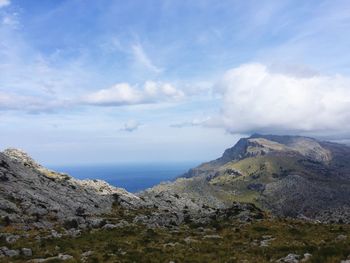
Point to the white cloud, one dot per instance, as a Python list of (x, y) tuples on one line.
[(256, 98), (131, 125), (36, 82), (142, 58), (124, 94), (194, 122), (10, 20), (30, 104), (4, 3), (118, 95), (112, 45)]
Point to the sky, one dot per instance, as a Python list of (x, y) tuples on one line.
[(109, 81)]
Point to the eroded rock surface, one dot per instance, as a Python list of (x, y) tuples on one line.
[(30, 193)]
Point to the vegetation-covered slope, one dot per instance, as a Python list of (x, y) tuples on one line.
[(221, 241), (288, 175)]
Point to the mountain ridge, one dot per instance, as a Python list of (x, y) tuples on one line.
[(239, 150), (266, 195), (260, 167), (255, 170)]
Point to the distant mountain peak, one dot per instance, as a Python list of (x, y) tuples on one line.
[(276, 172), (259, 144)]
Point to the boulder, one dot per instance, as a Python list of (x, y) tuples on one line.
[(27, 252), (8, 252)]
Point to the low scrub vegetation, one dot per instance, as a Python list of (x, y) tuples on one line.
[(259, 241)]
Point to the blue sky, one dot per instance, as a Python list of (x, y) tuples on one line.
[(119, 81)]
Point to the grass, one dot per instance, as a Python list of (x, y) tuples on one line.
[(266, 166), (188, 243), (259, 170)]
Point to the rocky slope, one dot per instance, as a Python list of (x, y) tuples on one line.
[(30, 193), (214, 210), (34, 196), (291, 176)]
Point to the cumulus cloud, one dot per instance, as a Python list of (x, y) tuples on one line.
[(124, 94), (4, 3), (121, 94), (258, 98), (131, 125)]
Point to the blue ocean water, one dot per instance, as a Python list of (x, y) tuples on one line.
[(132, 177)]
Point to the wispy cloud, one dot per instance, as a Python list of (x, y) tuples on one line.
[(10, 20), (34, 81), (4, 3), (319, 38), (141, 57), (194, 122), (30, 104), (131, 125)]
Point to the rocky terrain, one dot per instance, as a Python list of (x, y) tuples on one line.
[(290, 176), (36, 196), (31, 193), (268, 198)]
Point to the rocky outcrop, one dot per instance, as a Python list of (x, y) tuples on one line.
[(193, 200), (295, 196), (30, 193)]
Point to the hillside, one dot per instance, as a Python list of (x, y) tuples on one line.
[(267, 199), (289, 176), (31, 193)]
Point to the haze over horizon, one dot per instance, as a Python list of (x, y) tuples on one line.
[(107, 81)]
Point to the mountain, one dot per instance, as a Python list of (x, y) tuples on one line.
[(33, 195), (261, 201), (290, 176)]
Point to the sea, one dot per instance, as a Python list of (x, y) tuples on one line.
[(134, 177)]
